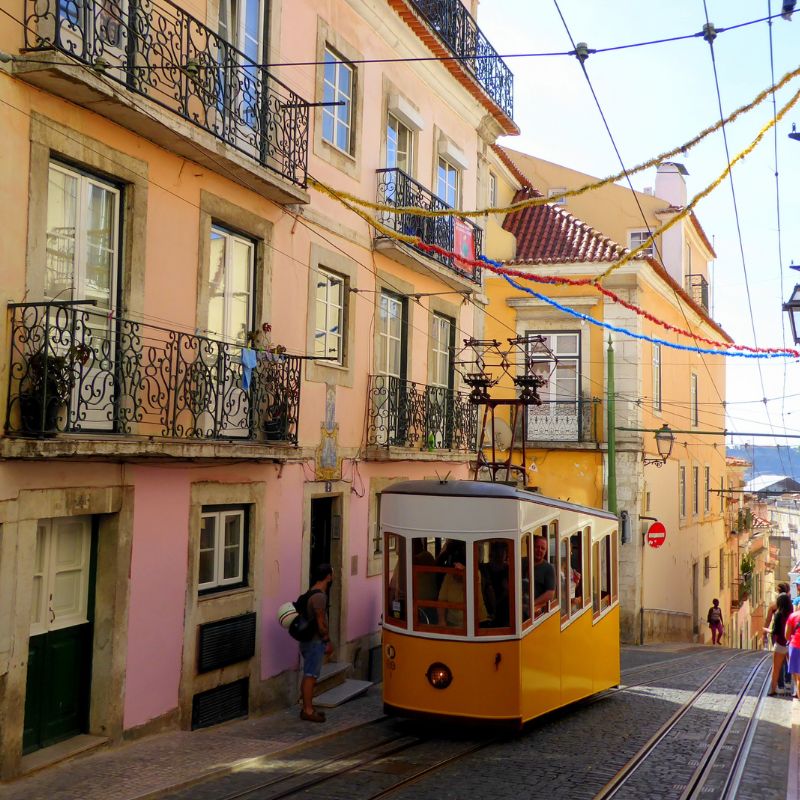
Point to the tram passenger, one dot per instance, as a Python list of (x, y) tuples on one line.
[(494, 585), (544, 577), (426, 583), (453, 589)]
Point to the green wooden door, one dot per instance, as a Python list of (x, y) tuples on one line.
[(60, 646)]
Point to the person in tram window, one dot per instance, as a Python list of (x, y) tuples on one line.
[(715, 622), (544, 577), (426, 584), (453, 588), (494, 584)]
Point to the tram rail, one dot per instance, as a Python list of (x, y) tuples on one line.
[(697, 782)]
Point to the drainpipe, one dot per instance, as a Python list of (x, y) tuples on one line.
[(611, 432), (641, 582)]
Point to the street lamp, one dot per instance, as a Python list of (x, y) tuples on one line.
[(792, 308), (665, 438)]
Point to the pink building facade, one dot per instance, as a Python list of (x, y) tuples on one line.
[(211, 369)]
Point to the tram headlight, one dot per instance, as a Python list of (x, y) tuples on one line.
[(439, 675)]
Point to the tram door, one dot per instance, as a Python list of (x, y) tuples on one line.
[(326, 548)]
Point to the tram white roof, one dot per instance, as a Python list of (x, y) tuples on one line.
[(478, 507)]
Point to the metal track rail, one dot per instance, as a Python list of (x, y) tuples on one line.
[(626, 773)]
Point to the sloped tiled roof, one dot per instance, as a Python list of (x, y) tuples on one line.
[(548, 234)]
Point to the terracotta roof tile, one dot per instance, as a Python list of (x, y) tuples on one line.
[(548, 234)]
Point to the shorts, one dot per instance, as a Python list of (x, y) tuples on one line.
[(780, 648), (313, 653)]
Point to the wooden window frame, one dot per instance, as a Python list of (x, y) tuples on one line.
[(241, 580)]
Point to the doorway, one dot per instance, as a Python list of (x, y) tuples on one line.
[(61, 632), (325, 547), (695, 600)]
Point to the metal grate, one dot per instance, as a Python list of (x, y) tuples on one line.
[(226, 641), (221, 704)]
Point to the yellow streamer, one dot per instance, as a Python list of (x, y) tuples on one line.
[(538, 201)]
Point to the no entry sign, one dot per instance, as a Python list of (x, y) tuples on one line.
[(656, 534)]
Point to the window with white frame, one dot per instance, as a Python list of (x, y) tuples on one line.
[(682, 491), (82, 245), (391, 345), (695, 490), (695, 411), (639, 237), (442, 340), (447, 182), (338, 86), (230, 285), (707, 473), (399, 145), (656, 377), (492, 190), (564, 383), (556, 195), (331, 297), (223, 546)]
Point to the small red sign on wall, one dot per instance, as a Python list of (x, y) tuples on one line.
[(656, 534), (464, 245)]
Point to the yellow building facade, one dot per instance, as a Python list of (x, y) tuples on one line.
[(666, 591)]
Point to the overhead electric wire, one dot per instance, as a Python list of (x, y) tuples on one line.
[(678, 301), (710, 36)]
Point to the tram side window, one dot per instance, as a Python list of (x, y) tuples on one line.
[(552, 557), (426, 578), (605, 572), (614, 566), (544, 575), (452, 600), (596, 578), (494, 582), (526, 566), (572, 583), (395, 579)]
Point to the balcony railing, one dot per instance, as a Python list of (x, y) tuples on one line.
[(459, 31), (562, 421), (74, 370), (164, 54), (398, 189), (697, 289), (407, 414)]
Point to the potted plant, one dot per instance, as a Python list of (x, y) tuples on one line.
[(46, 386)]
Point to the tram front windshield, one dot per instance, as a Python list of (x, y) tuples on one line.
[(440, 573)]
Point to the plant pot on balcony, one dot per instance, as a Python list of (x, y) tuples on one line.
[(38, 414)]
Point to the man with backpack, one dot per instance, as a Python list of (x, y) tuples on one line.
[(314, 606)]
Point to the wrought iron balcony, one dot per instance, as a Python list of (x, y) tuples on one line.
[(562, 421), (697, 289), (459, 31), (166, 55), (452, 234), (74, 370), (407, 414)]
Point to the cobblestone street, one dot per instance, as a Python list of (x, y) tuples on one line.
[(571, 754)]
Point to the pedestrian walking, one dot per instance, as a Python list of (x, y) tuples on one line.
[(784, 681), (777, 632), (715, 622), (319, 645), (792, 634)]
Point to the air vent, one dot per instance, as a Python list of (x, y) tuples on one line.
[(220, 704), (226, 641)]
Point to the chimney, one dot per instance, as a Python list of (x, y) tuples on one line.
[(670, 185)]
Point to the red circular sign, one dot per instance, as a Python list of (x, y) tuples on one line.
[(656, 534)]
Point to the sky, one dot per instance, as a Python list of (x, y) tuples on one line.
[(654, 98)]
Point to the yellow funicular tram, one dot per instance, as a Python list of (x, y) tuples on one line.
[(500, 604)]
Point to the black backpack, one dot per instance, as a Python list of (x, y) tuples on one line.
[(303, 628)]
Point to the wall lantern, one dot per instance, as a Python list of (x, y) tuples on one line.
[(665, 438), (792, 308)]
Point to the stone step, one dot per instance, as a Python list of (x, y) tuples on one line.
[(341, 693), (333, 674)]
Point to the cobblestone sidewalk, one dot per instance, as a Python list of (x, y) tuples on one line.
[(147, 768)]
